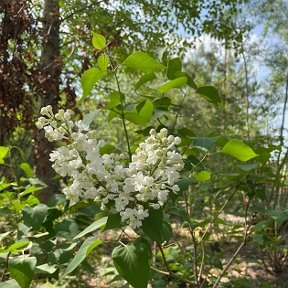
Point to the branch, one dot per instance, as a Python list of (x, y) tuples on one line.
[(169, 272), (243, 243), (219, 211), (80, 10)]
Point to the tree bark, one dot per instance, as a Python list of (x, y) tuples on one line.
[(49, 79)]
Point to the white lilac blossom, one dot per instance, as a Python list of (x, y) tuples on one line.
[(129, 189)]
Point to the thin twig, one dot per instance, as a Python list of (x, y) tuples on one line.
[(80, 10), (123, 118), (169, 272), (195, 244), (180, 107), (219, 211), (243, 243)]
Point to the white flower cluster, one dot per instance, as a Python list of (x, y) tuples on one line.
[(128, 189)]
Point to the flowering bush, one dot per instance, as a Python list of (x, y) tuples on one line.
[(133, 188), (128, 188)]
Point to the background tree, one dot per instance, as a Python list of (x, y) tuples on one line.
[(65, 31)]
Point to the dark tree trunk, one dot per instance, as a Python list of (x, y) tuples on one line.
[(49, 76)]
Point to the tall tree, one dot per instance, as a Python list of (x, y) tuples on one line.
[(49, 79)]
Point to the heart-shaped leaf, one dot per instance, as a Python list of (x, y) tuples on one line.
[(132, 262), (22, 270), (34, 216)]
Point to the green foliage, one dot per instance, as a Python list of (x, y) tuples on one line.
[(91, 228), (22, 270), (88, 245), (144, 79), (153, 225), (34, 216), (132, 262), (202, 176), (143, 62), (103, 62), (239, 150), (175, 83), (89, 79), (49, 233), (98, 41), (210, 93), (3, 153)]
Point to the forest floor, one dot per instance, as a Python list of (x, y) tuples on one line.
[(246, 266)]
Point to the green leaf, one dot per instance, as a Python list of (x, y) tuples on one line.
[(9, 284), (144, 79), (88, 80), (30, 190), (143, 62), (91, 228), (67, 229), (106, 149), (174, 65), (176, 83), (4, 185), (210, 93), (17, 247), (27, 169), (85, 249), (167, 231), (162, 103), (142, 114), (90, 117), (202, 176), (22, 270), (145, 110), (239, 150), (190, 81), (46, 268), (3, 152), (98, 41), (113, 221), (185, 183), (132, 261), (112, 115), (278, 216), (115, 100), (56, 199), (153, 225), (103, 62), (34, 216)]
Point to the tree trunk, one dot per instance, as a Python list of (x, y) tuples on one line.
[(49, 78)]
